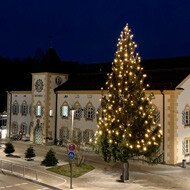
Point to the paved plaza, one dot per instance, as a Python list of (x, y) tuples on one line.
[(104, 176)]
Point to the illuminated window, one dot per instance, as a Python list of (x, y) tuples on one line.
[(38, 110), (64, 110)]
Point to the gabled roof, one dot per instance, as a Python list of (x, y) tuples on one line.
[(162, 74)]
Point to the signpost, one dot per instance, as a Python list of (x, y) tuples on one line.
[(71, 156)]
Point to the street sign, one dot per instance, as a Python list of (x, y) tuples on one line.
[(71, 155), (71, 147)]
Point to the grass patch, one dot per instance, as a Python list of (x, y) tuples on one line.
[(77, 170)]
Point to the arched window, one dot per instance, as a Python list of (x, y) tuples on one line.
[(89, 111), (88, 136), (23, 128), (15, 108), (78, 110), (65, 110), (38, 110), (186, 115), (14, 127), (24, 108)]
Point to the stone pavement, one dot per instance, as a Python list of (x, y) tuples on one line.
[(104, 176)]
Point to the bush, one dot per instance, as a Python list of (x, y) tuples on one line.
[(9, 148), (30, 153), (50, 159)]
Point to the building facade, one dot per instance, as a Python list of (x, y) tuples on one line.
[(44, 113)]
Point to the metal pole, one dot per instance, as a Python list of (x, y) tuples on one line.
[(11, 167), (23, 171), (36, 176), (71, 176)]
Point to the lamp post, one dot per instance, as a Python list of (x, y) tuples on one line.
[(71, 139), (72, 123)]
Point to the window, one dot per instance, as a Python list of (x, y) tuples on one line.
[(186, 115), (78, 110), (89, 111), (186, 147), (24, 108), (38, 110), (64, 110), (15, 108), (14, 128), (23, 129), (88, 136), (51, 113), (58, 80)]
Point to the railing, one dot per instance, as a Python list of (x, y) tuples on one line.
[(32, 174)]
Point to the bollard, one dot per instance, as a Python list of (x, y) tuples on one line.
[(11, 167), (184, 164), (36, 176), (23, 171)]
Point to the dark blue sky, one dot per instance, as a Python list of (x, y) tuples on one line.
[(87, 30)]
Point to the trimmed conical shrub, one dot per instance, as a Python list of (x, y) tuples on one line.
[(50, 159)]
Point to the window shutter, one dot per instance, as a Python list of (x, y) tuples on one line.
[(42, 110), (61, 111), (17, 108), (26, 109), (35, 110), (183, 147), (21, 109), (98, 112), (93, 113), (157, 116), (69, 111), (183, 117), (85, 136), (84, 110), (80, 112)]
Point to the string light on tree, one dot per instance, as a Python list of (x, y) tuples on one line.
[(127, 128)]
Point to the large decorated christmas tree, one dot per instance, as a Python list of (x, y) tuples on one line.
[(126, 128)]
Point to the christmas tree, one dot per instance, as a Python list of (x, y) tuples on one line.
[(126, 128)]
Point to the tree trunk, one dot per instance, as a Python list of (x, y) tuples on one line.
[(125, 172)]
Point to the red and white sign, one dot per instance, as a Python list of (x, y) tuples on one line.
[(71, 147)]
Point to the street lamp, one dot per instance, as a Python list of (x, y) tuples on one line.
[(72, 123)]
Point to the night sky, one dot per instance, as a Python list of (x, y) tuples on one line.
[(87, 31)]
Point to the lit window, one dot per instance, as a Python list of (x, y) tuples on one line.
[(51, 113), (65, 111), (39, 111)]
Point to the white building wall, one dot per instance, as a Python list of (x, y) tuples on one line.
[(183, 132), (19, 118), (83, 99)]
